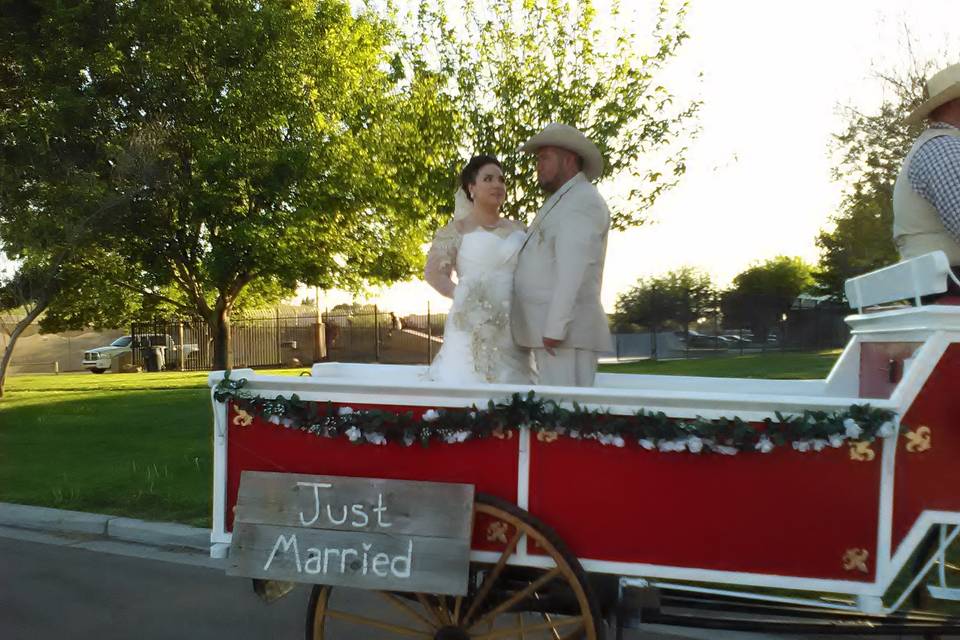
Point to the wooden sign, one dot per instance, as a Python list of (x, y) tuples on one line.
[(394, 535)]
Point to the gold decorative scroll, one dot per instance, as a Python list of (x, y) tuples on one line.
[(856, 560), (497, 532), (918, 441), (242, 419), (547, 436), (861, 451)]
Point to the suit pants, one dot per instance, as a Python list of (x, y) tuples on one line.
[(568, 368)]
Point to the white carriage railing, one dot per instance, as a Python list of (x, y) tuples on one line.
[(907, 280)]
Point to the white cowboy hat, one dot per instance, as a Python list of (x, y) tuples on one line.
[(566, 137), (942, 87)]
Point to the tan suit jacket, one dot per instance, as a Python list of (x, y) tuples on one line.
[(560, 271)]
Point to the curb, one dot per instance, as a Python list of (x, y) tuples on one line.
[(160, 534)]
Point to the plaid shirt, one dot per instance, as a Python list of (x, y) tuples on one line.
[(934, 173)]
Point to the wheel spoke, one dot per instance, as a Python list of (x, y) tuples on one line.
[(520, 596), (319, 612), (491, 578), (370, 622), (502, 633), (457, 603), (425, 603), (403, 606), (547, 618), (573, 635), (442, 610)]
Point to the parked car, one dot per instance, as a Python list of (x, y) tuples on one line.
[(102, 358)]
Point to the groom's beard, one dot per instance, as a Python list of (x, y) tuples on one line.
[(547, 187)]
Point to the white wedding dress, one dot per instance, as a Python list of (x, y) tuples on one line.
[(478, 346)]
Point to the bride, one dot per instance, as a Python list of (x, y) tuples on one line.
[(481, 247)]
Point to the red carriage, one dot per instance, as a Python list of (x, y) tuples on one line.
[(830, 500)]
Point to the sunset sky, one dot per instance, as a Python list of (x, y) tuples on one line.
[(774, 75)]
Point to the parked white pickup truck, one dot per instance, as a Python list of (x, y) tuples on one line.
[(103, 358)]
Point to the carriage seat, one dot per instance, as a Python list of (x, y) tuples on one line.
[(911, 279)]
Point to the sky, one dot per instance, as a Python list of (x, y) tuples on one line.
[(772, 76)]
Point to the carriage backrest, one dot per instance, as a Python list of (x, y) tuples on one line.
[(907, 280)]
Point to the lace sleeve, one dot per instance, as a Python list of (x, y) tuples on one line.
[(442, 259)]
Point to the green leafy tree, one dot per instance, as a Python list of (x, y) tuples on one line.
[(870, 152), (516, 66), (762, 293), (248, 146), (680, 297)]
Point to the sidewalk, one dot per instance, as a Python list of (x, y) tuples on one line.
[(89, 528)]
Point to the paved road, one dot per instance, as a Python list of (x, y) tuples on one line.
[(54, 591), (54, 587)]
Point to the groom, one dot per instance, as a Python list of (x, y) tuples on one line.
[(556, 299)]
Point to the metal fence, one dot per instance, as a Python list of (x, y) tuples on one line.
[(299, 340), (383, 336), (187, 344), (371, 335), (808, 325)]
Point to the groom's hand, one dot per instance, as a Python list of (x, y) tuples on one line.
[(549, 344)]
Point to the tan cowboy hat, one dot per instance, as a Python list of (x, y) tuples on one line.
[(942, 87), (566, 137)]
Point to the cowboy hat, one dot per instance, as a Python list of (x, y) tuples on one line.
[(566, 137), (942, 87)]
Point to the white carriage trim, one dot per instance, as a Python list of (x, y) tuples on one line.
[(908, 279), (740, 594), (218, 534), (885, 510), (912, 540), (945, 541), (679, 404), (742, 578)]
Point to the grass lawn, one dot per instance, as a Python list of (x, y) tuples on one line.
[(778, 366), (140, 445), (136, 445)]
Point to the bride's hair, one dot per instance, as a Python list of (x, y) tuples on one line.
[(469, 174)]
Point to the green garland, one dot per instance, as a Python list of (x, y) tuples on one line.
[(813, 430)]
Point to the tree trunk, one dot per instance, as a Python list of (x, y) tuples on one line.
[(17, 330), (219, 322)]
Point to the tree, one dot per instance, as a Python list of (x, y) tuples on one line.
[(762, 293), (516, 66), (250, 146), (682, 296), (870, 150)]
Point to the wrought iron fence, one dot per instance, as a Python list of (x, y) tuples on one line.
[(300, 340)]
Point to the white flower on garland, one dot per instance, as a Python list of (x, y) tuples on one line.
[(456, 437), (764, 444), (354, 434), (886, 430), (431, 415), (574, 434), (647, 444), (726, 450), (408, 440), (694, 444), (836, 440), (801, 445), (375, 438), (853, 430), (344, 411), (274, 420), (672, 445), (819, 444)]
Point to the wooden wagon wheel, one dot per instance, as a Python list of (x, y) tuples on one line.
[(503, 602)]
